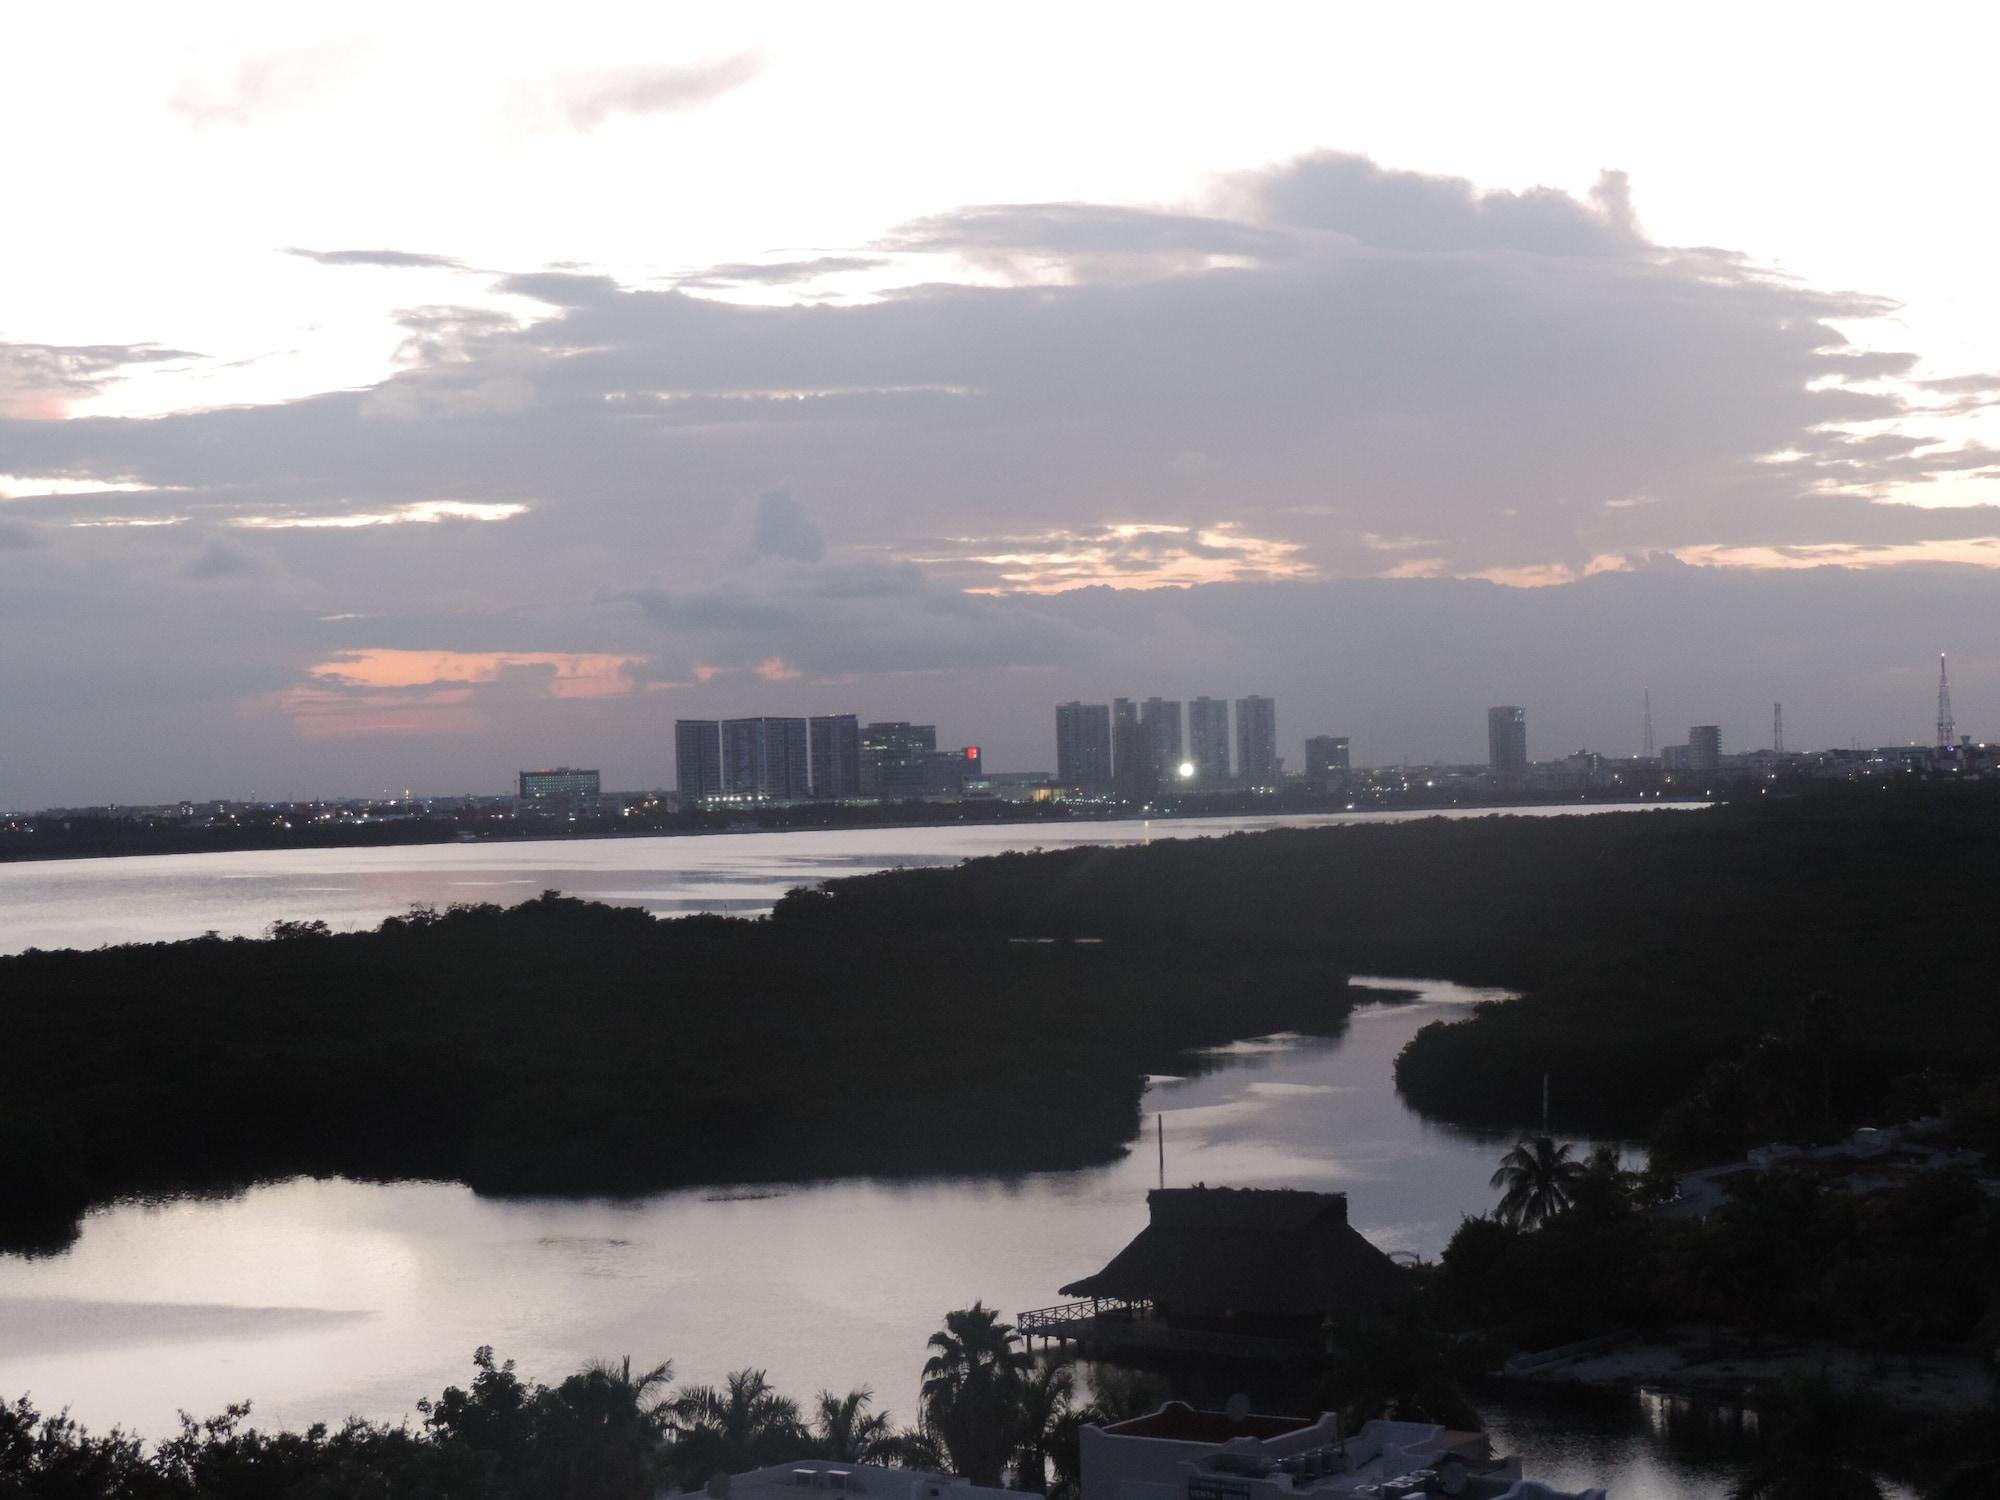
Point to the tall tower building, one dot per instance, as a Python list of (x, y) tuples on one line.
[(1131, 770), (697, 759), (766, 759), (1257, 741), (1208, 741), (835, 743), (1507, 739), (1704, 747), (1083, 747), (1160, 740)]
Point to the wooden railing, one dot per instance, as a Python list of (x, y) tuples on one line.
[(1068, 1319)]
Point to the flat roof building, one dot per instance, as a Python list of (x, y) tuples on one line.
[(835, 744), (1208, 741), (697, 760), (559, 784), (1083, 747), (1257, 741), (765, 760), (896, 760), (1507, 739)]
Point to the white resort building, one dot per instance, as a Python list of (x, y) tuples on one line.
[(825, 1479), (1178, 1453)]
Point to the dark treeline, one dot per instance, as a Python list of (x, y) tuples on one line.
[(1794, 956), (566, 1047), (1791, 965), (986, 1411)]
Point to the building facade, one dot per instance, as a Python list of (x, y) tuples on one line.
[(1083, 747), (1507, 739), (1704, 747), (835, 744), (697, 759), (1208, 741), (1160, 741), (1132, 773), (1326, 761), (765, 759), (896, 760), (562, 786), (1257, 742)]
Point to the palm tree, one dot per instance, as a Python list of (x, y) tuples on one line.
[(602, 1432), (745, 1425), (1538, 1177), (1044, 1403), (844, 1429), (971, 1391), (1819, 1449)]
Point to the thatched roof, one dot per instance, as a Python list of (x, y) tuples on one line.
[(1247, 1250)]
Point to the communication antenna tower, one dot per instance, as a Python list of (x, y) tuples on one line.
[(1946, 732), (1777, 729), (1648, 751)]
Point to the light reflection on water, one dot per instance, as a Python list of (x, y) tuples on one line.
[(324, 1298), (80, 903)]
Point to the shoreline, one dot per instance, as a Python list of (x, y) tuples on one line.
[(1541, 806)]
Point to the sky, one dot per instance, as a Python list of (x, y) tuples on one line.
[(400, 396)]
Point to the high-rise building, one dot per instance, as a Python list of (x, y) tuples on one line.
[(1257, 741), (835, 742), (1507, 739), (697, 759), (1208, 741), (559, 786), (896, 760), (947, 771), (765, 759), (1326, 761), (1131, 769), (1083, 747), (1704, 747), (1160, 741)]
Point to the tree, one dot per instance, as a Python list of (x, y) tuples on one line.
[(1044, 1402), (744, 1425), (1539, 1178), (844, 1429), (1821, 1446), (972, 1392), (602, 1433)]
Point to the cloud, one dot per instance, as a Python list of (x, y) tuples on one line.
[(782, 272), (44, 380), (1336, 407), (785, 530), (584, 100), (394, 260), (266, 84)]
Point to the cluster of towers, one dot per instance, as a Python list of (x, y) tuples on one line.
[(1133, 749)]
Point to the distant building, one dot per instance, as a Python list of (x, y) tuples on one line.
[(1676, 758), (1160, 741), (1257, 741), (765, 759), (946, 772), (1083, 747), (697, 759), (1133, 774), (1326, 761), (896, 760), (1507, 739), (1704, 747), (835, 744), (560, 787), (1208, 741)]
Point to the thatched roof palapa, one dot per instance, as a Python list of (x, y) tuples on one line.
[(1258, 1251)]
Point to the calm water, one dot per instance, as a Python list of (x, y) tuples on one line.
[(81, 903), (320, 1299)]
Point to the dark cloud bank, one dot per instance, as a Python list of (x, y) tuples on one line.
[(1326, 374)]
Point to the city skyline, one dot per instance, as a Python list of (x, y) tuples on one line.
[(445, 451)]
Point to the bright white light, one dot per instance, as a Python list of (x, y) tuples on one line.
[(1186, 769)]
